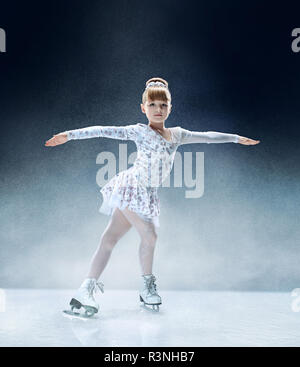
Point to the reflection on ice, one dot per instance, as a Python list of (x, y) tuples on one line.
[(120, 328), (35, 318)]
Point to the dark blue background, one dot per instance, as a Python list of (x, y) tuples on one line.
[(228, 57)]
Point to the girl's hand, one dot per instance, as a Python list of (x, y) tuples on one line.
[(57, 140), (247, 141)]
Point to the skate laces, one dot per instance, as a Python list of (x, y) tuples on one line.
[(151, 286), (99, 286), (94, 287)]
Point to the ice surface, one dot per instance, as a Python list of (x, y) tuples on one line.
[(186, 318)]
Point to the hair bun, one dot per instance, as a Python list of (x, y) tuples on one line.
[(157, 80), (156, 88)]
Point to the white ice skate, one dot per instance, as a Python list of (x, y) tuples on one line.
[(148, 293), (84, 298)]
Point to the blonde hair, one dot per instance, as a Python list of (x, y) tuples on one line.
[(156, 92)]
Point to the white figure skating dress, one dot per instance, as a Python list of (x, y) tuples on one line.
[(136, 187)]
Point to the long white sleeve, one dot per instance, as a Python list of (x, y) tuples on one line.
[(188, 137), (114, 132)]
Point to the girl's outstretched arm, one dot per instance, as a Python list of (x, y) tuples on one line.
[(114, 132), (188, 137)]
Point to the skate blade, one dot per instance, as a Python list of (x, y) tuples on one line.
[(149, 306), (77, 315), (88, 310)]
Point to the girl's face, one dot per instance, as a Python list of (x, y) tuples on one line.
[(156, 111)]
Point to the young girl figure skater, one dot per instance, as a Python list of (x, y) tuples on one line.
[(130, 197)]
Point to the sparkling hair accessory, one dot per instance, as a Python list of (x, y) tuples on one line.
[(156, 84)]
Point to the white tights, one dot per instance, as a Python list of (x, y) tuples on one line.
[(119, 224)]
